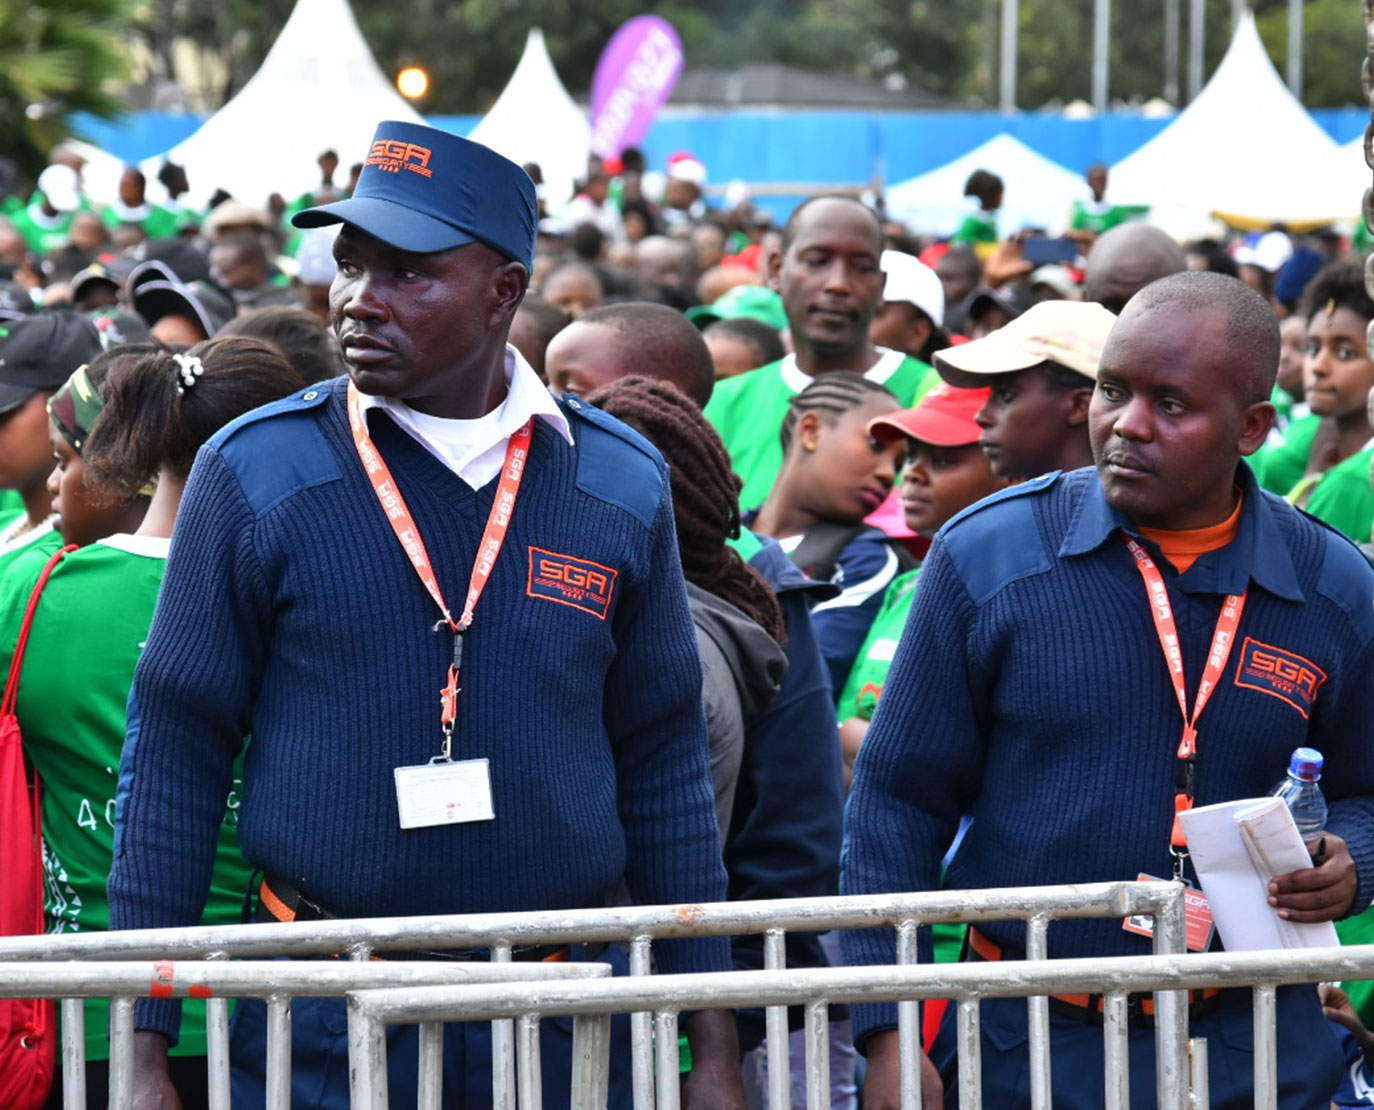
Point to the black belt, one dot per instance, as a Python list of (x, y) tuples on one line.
[(279, 901)]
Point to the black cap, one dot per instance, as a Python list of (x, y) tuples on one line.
[(157, 292), (113, 272), (181, 259), (41, 352), (117, 327), (15, 302)]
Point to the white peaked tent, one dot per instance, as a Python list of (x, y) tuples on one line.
[(1039, 192), (536, 120), (319, 88), (1245, 150), (1345, 179)]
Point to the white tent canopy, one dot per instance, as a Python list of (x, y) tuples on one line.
[(536, 120), (319, 88), (1039, 192), (1345, 179), (1244, 149)]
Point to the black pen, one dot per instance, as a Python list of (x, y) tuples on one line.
[(1320, 857)]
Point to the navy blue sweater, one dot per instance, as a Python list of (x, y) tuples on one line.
[(1030, 692), (290, 611)]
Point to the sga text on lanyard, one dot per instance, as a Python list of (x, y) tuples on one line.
[(403, 524), (1225, 635)]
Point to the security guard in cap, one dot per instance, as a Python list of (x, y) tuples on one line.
[(435, 523)]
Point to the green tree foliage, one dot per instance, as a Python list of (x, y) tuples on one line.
[(56, 57), (1333, 48), (949, 47)]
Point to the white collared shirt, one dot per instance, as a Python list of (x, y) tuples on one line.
[(475, 450), (18, 534)]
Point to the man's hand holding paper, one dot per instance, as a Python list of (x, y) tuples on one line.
[(1320, 893)]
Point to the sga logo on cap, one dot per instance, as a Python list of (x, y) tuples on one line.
[(423, 189), (393, 156)]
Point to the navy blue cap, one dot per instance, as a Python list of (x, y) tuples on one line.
[(425, 190)]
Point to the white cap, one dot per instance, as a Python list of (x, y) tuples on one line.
[(1057, 278), (1270, 253), (911, 280), (683, 167), (316, 255), (62, 187)]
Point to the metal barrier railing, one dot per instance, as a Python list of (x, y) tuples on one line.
[(218, 981), (591, 1005), (639, 927)]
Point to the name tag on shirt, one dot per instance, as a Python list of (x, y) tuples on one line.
[(1196, 913), (444, 793)]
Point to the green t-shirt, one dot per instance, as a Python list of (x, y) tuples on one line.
[(40, 543), (87, 635), (865, 685), (978, 227), (11, 506), (748, 411), (1344, 498), (1097, 217), (1279, 466), (44, 234), (1283, 403), (1359, 930), (157, 223)]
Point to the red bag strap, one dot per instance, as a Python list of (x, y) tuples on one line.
[(7, 706)]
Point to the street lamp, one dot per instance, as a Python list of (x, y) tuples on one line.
[(412, 82)]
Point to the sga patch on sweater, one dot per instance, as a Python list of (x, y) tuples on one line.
[(1279, 673), (568, 580)]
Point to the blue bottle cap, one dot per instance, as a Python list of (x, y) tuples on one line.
[(1305, 763)]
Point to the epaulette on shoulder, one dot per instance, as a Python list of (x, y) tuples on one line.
[(1011, 493), (1346, 576), (279, 449), (615, 463), (996, 542)]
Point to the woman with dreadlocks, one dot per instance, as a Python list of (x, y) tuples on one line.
[(834, 473), (738, 620), (783, 837)]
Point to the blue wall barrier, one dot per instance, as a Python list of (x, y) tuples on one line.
[(812, 147)]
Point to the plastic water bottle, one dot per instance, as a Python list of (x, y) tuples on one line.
[(1300, 791)]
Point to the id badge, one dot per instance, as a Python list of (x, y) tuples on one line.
[(1196, 912), (444, 793)]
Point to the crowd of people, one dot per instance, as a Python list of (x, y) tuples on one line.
[(747, 561)]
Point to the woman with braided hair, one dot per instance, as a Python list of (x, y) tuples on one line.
[(124, 433), (738, 620), (784, 833), (834, 473)]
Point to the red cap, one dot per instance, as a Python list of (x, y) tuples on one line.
[(943, 417)]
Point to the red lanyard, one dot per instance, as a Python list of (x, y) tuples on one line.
[(403, 524), (1222, 640)]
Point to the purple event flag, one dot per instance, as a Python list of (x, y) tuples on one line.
[(634, 76)]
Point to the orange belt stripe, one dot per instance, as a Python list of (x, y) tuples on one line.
[(987, 950), (275, 906)]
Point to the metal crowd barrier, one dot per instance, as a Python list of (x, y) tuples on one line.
[(218, 981), (637, 927), (591, 1004)]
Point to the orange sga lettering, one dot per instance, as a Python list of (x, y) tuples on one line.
[(573, 575), (1267, 662)]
